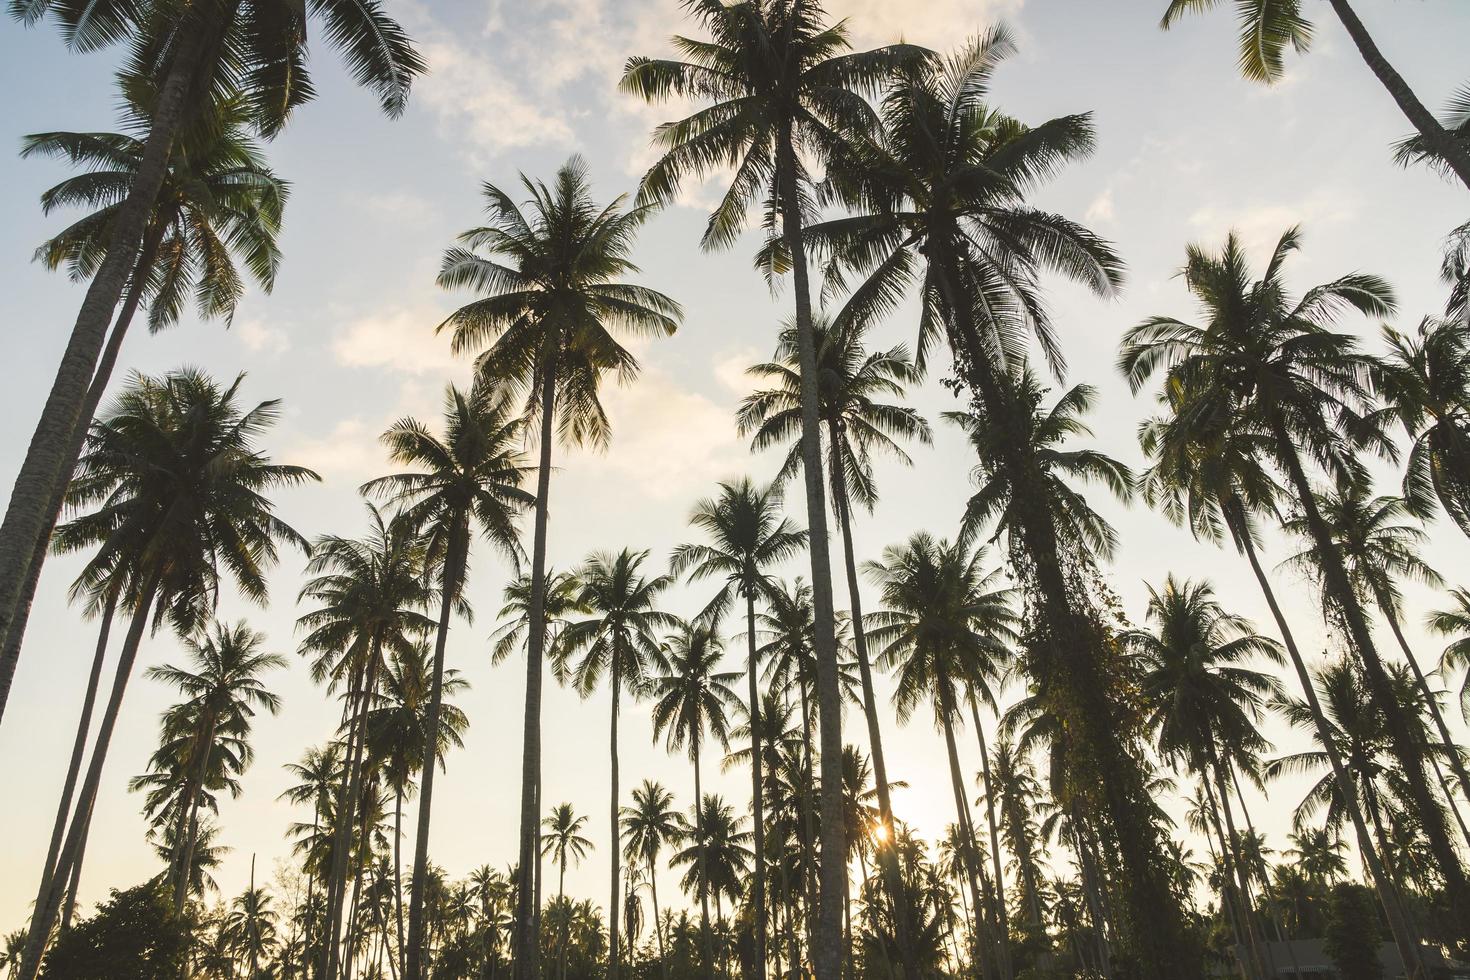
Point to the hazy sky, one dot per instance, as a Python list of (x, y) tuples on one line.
[(1186, 151)]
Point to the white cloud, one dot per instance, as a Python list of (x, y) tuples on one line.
[(1101, 209), (398, 340), (729, 369), (261, 337), (943, 24), (1260, 225)]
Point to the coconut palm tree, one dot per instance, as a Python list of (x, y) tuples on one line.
[(1213, 476), (551, 281), (1319, 854), (250, 925), (718, 857), (944, 622), (175, 486), (1014, 788), (1205, 703), (222, 690), (648, 826), (185, 57), (562, 841), (781, 87), (858, 423), (1426, 384), (469, 478), (692, 697), (219, 199), (1455, 623), (1267, 29), (317, 776), (1274, 367), (371, 595), (747, 534), (620, 639), (1379, 549)]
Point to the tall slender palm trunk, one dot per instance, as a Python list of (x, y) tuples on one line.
[(1219, 800), (613, 951), (49, 460), (1454, 152), (43, 916), (757, 797), (347, 815), (887, 854), (1002, 919), (1404, 936), (402, 951), (1405, 746), (827, 956), (704, 934), (1278, 917), (658, 925), (983, 943), (456, 555), (527, 942), (183, 858)]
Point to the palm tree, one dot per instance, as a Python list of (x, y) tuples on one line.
[(1275, 369), (1455, 623), (371, 594), (1015, 790), (218, 198), (471, 477), (1379, 549), (562, 840), (177, 484), (851, 385), (251, 926), (1267, 29), (1426, 382), (1319, 854), (551, 285), (648, 826), (944, 622), (690, 697), (1205, 705), (941, 199), (221, 694), (1213, 476), (317, 776), (620, 639), (747, 535), (719, 855), (185, 57), (781, 86)]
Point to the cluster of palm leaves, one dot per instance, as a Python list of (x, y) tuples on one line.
[(883, 175)]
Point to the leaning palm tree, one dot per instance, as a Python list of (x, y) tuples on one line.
[(175, 486), (469, 478), (1425, 379), (944, 621), (1205, 704), (371, 596), (184, 56), (1380, 550), (562, 841), (551, 284), (219, 201), (648, 826), (747, 534), (1268, 28), (782, 88), (692, 697), (857, 423), (222, 689), (620, 640), (1269, 365)]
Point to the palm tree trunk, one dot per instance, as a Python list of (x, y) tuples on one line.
[(70, 904), (613, 951), (1405, 938), (15, 635), (79, 746), (184, 845), (1278, 915), (1003, 925), (757, 798), (808, 828), (658, 925), (527, 945), (347, 817), (566, 920), (1092, 885), (886, 853), (455, 558), (1454, 153), (1404, 745), (827, 956), (704, 936), (967, 834), (43, 917), (48, 459), (398, 875), (1230, 852), (1451, 751)]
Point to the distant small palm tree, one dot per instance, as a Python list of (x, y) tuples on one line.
[(719, 856), (691, 697), (562, 841), (648, 826), (1319, 853)]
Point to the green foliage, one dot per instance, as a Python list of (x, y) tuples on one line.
[(1353, 933), (134, 935)]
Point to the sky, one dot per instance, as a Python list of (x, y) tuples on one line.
[(1187, 150)]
